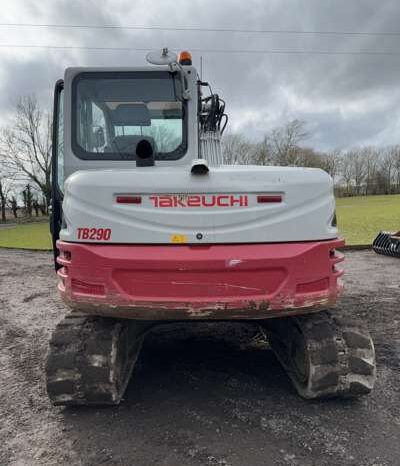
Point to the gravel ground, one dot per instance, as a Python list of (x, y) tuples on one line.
[(201, 394)]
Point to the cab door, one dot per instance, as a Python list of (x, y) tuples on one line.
[(57, 169)]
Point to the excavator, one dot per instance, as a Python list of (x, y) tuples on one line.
[(150, 226)]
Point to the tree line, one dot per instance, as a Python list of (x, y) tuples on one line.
[(25, 159), (355, 171)]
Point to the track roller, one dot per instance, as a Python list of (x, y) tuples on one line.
[(324, 355), (90, 359)]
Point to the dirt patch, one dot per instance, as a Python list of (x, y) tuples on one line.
[(201, 394)]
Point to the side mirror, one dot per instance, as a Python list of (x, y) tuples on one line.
[(162, 57)]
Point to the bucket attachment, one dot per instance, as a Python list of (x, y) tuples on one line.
[(387, 243)]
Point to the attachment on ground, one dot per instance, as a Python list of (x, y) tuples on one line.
[(387, 243)]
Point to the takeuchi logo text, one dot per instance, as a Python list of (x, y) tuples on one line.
[(200, 200)]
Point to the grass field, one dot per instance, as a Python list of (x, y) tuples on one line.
[(359, 221), (361, 218), (26, 236)]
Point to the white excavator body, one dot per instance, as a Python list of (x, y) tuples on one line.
[(150, 225)]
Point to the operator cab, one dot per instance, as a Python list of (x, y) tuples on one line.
[(123, 118)]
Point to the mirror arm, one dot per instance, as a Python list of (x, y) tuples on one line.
[(178, 68), (172, 61)]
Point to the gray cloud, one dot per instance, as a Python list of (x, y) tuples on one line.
[(346, 99)]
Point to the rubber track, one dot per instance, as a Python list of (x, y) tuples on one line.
[(90, 360), (339, 354)]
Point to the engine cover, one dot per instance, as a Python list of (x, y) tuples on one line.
[(229, 204)]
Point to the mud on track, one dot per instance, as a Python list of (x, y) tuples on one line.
[(202, 394)]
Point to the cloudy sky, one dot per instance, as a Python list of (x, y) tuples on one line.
[(345, 99)]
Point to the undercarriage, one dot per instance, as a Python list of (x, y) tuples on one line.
[(91, 358)]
